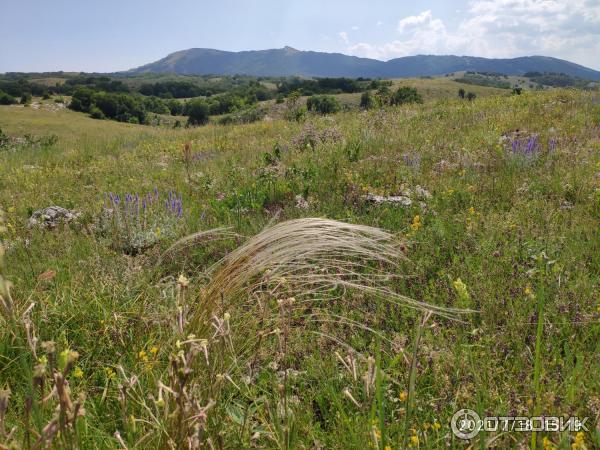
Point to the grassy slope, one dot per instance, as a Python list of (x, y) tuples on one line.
[(489, 216)]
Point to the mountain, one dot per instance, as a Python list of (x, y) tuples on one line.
[(288, 61)]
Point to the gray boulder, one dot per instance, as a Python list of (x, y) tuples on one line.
[(52, 216)]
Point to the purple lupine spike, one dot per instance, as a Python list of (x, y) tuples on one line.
[(156, 192), (180, 210)]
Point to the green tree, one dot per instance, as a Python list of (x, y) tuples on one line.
[(461, 93), (404, 95), (197, 111)]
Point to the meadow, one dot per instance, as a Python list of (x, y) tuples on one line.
[(479, 289)]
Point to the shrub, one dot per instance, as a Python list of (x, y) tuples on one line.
[(471, 96), (26, 98), (368, 100), (198, 112), (405, 95), (246, 115), (323, 104), (461, 93), (175, 107), (96, 113), (6, 99)]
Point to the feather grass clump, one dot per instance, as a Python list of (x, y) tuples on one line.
[(311, 259)]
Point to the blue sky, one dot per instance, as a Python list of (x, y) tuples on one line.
[(111, 35)]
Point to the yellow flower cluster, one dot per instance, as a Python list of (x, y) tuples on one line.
[(547, 443), (416, 223), (579, 443)]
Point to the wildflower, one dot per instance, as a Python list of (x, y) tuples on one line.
[(377, 432), (11, 209), (528, 291), (142, 355), (461, 289), (471, 210), (110, 373), (183, 281), (154, 351), (416, 223), (78, 373), (402, 396), (436, 425), (547, 443), (414, 440), (579, 443), (388, 447)]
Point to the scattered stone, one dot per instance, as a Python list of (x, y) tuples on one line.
[(566, 205), (52, 216), (400, 200), (422, 193), (444, 166), (301, 202)]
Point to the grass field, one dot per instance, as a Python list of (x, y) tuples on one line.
[(162, 353)]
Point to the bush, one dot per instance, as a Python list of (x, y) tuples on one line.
[(323, 104), (198, 112), (461, 93), (471, 96), (6, 99), (26, 98), (246, 115), (368, 100), (96, 113), (405, 95), (175, 107)]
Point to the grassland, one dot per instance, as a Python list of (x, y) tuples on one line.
[(511, 235)]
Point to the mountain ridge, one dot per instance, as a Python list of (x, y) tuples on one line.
[(288, 61)]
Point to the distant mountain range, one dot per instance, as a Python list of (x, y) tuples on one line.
[(288, 61)]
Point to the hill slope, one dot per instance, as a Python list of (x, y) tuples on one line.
[(288, 61)]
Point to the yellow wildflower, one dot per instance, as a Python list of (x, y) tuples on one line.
[(471, 210), (547, 443), (529, 291), (154, 351), (461, 289), (416, 223), (414, 440), (110, 374), (143, 355), (403, 396), (77, 372), (436, 425), (579, 443)]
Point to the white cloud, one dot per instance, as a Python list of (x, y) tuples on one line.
[(412, 21), (568, 29), (379, 23), (344, 37), (355, 27)]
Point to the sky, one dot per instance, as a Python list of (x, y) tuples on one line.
[(113, 35)]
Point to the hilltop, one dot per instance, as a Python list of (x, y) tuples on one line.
[(288, 61)]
